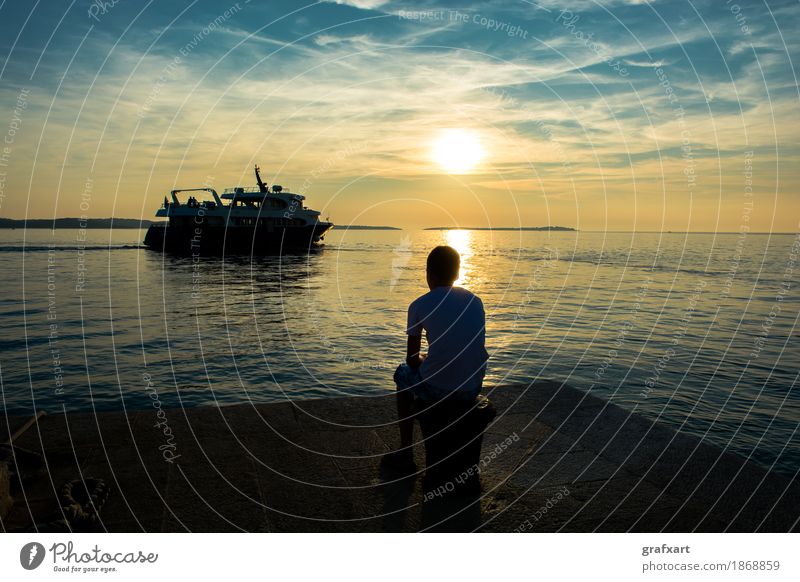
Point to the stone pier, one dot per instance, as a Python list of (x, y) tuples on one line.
[(554, 459)]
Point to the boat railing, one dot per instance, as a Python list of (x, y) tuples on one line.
[(213, 192), (240, 190)]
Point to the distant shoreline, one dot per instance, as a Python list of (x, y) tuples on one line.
[(135, 223), (76, 223), (545, 228), (364, 227), (117, 223)]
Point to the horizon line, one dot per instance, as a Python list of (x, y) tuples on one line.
[(550, 228)]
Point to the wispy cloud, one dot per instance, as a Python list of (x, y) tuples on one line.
[(365, 4), (293, 89)]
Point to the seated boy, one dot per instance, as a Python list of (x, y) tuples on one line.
[(454, 323)]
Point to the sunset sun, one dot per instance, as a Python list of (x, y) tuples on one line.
[(457, 151)]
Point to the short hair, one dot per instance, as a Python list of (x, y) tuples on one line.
[(444, 263)]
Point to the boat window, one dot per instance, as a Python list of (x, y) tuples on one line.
[(276, 203)]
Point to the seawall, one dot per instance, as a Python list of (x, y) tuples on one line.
[(554, 459)]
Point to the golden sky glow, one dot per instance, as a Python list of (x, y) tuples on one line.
[(382, 119)]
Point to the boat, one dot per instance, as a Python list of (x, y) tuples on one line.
[(254, 221)]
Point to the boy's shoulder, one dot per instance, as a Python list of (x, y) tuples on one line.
[(440, 294)]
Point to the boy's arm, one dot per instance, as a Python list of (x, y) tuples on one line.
[(414, 331), (413, 357)]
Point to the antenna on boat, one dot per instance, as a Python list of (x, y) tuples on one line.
[(262, 187)]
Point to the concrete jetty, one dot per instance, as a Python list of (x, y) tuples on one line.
[(554, 459)]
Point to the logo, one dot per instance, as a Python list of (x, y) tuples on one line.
[(402, 255), (31, 555)]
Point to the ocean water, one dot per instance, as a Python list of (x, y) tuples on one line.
[(696, 330)]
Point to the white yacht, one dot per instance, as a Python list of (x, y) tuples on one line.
[(258, 220)]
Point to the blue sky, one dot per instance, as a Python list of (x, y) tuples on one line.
[(625, 115)]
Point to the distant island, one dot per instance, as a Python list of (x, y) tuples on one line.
[(558, 228), (135, 223), (73, 223)]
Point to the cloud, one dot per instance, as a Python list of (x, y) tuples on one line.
[(291, 97), (646, 64), (358, 40), (363, 4)]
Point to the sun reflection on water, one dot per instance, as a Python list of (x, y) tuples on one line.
[(461, 240)]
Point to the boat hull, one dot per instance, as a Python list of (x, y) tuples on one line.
[(233, 241)]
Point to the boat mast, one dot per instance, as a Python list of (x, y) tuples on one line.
[(261, 186)]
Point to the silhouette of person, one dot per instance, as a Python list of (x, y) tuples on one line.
[(454, 321)]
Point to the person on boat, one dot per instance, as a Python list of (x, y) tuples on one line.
[(262, 187), (454, 323)]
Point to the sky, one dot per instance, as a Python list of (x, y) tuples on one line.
[(620, 115)]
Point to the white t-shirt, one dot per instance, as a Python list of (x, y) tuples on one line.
[(455, 327)]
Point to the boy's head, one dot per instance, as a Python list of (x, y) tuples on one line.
[(443, 266)]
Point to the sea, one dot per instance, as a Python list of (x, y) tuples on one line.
[(697, 331)]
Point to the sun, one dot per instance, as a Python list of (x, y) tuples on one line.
[(457, 151)]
